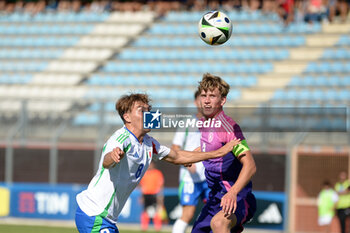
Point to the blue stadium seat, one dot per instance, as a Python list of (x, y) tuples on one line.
[(45, 29), (304, 95), (344, 40), (39, 41), (235, 16), (15, 78), (85, 119), (234, 94), (328, 67), (319, 80), (317, 95), (160, 80), (279, 95), (108, 106), (146, 67), (343, 95), (29, 66), (54, 17), (336, 54), (27, 54), (164, 55), (235, 41), (345, 81), (71, 17)]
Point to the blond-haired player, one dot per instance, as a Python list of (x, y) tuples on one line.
[(231, 202)]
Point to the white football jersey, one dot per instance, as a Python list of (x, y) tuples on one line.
[(110, 188), (190, 141)]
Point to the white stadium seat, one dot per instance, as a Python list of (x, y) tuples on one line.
[(86, 54), (144, 17), (103, 42), (122, 30)]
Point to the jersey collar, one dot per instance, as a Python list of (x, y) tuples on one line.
[(131, 133)]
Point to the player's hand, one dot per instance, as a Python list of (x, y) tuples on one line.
[(228, 147), (117, 154), (229, 203)]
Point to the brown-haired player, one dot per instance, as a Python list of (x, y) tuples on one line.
[(124, 160), (231, 202)]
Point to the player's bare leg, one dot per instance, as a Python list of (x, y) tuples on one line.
[(187, 213), (221, 223)]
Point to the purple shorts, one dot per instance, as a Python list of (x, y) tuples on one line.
[(245, 211)]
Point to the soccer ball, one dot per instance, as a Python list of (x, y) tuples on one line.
[(215, 28)]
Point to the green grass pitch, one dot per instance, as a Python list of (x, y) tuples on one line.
[(48, 229)]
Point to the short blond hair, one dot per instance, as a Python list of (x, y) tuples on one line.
[(126, 102), (210, 82)]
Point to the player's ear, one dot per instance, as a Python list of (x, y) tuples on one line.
[(223, 100), (127, 118)]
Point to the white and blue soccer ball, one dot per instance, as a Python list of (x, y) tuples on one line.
[(215, 28)]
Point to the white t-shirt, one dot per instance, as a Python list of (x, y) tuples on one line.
[(110, 188), (189, 141)]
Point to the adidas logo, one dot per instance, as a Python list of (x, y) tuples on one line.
[(271, 215)]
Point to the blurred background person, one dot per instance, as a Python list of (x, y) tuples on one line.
[(285, 10), (193, 185), (315, 11), (269, 6), (343, 205), (344, 9), (326, 200), (331, 6), (152, 197), (299, 11)]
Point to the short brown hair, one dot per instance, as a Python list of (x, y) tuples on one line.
[(210, 82), (196, 94), (126, 102)]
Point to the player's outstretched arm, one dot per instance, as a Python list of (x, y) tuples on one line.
[(186, 157), (190, 167), (113, 157)]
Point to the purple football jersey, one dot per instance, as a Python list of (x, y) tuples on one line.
[(221, 173)]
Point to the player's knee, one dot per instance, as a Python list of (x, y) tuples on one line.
[(213, 225), (217, 224)]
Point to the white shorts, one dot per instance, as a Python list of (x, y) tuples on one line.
[(324, 220)]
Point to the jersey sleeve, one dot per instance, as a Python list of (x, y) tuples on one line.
[(159, 151), (179, 138), (113, 142), (238, 134)]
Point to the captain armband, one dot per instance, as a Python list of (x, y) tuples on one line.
[(240, 148)]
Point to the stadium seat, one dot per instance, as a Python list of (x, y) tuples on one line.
[(344, 41)]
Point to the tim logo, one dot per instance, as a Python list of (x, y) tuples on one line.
[(151, 120)]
